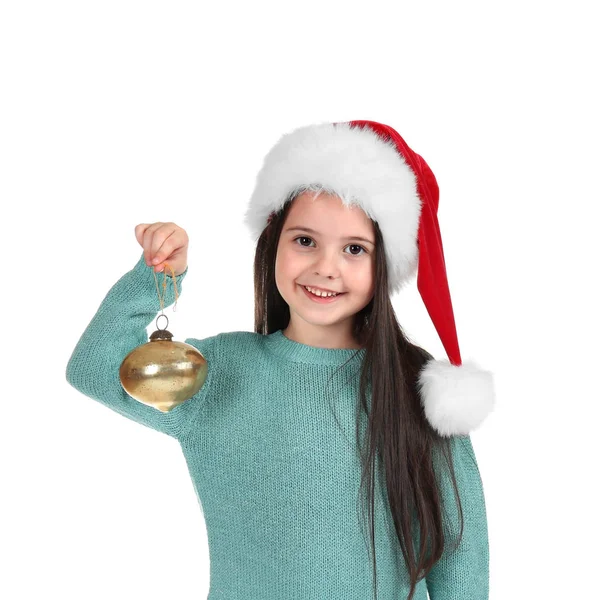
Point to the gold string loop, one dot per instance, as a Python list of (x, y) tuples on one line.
[(162, 300)]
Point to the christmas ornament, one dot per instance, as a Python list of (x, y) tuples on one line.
[(163, 373)]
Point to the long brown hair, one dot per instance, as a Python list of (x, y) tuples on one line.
[(397, 433)]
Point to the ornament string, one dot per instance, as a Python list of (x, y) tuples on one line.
[(161, 300)]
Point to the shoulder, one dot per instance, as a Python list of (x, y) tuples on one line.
[(228, 344), (229, 340), (240, 341), (243, 336), (206, 346)]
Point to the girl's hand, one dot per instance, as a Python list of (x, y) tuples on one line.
[(163, 242)]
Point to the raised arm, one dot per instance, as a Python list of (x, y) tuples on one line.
[(119, 326)]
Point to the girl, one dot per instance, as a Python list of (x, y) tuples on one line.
[(343, 214)]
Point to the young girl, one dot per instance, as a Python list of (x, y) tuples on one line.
[(273, 439)]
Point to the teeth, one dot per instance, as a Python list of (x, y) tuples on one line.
[(319, 293)]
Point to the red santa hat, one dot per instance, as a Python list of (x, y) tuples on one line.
[(370, 165)]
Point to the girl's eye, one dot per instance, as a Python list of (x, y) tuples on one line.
[(302, 237)]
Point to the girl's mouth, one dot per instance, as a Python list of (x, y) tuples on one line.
[(320, 299)]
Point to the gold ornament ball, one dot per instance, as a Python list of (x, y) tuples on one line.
[(163, 373)]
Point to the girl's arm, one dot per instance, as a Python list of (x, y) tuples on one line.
[(119, 326), (463, 574)]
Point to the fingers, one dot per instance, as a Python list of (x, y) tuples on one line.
[(165, 241), (159, 240), (144, 232)]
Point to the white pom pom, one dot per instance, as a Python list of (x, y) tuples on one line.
[(456, 399)]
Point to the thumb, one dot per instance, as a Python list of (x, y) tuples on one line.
[(139, 230)]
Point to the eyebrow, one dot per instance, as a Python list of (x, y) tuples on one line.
[(350, 237)]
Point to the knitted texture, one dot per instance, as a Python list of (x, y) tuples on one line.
[(270, 444)]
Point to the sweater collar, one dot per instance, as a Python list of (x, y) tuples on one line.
[(293, 351)]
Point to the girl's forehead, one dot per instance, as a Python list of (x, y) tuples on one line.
[(310, 211)]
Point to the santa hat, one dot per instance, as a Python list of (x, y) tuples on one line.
[(369, 164)]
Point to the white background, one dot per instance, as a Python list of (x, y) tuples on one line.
[(117, 113)]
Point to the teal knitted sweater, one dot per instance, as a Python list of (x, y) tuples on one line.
[(270, 444)]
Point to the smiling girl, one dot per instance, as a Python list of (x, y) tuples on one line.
[(343, 215)]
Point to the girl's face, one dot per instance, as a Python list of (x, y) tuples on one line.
[(325, 244)]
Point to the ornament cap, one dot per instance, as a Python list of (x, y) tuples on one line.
[(160, 335)]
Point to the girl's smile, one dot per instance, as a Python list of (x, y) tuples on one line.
[(320, 299)]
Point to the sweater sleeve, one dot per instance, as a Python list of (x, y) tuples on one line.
[(463, 574), (120, 325)]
